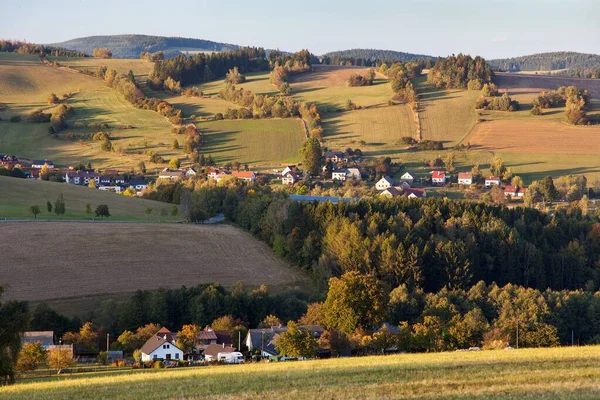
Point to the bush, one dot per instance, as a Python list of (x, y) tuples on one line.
[(101, 136), (15, 118), (157, 364), (475, 84), (489, 90), (536, 110), (38, 116), (481, 103)]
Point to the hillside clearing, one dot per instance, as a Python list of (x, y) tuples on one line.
[(557, 373), (381, 128), (16, 195), (85, 259), (140, 68), (263, 143)]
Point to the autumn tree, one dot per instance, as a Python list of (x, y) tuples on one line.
[(270, 321), (354, 301), (174, 163), (86, 338), (187, 338), (102, 52), (14, 319), (234, 76), (60, 358), (53, 99), (312, 156), (30, 356), (296, 342)]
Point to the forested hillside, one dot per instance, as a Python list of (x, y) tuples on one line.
[(548, 61), (363, 55), (130, 46)]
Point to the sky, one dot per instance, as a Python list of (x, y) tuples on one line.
[(490, 28)]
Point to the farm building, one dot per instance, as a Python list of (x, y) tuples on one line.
[(353, 173), (247, 176), (171, 174), (492, 181), (438, 177), (46, 338), (465, 178), (384, 183), (408, 178)]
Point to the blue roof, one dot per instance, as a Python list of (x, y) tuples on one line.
[(322, 199)]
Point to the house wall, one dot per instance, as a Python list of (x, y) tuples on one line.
[(161, 353)]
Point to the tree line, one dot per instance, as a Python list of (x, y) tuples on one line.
[(207, 67), (372, 57), (11, 46), (548, 62), (455, 72), (575, 99)]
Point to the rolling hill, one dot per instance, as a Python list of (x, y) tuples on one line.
[(130, 46), (375, 54), (548, 62)]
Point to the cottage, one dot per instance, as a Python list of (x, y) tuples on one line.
[(289, 168), (82, 177), (46, 338), (41, 163), (492, 181), (438, 177), (338, 174), (171, 174), (213, 173), (212, 350), (190, 173), (336, 156), (414, 193), (289, 178), (465, 178), (353, 173), (514, 192), (384, 183), (161, 347), (247, 176), (138, 183), (391, 192), (408, 178)]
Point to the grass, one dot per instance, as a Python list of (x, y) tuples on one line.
[(257, 83), (381, 128), (16, 195), (82, 260), (263, 143), (446, 115), (559, 373), (25, 85), (141, 69)]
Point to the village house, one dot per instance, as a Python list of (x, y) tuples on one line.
[(41, 163), (338, 174), (212, 350), (438, 177), (289, 178), (82, 177), (465, 178), (492, 181), (391, 192), (336, 156), (171, 174), (514, 192), (161, 347), (411, 193), (213, 173), (408, 178), (247, 176), (384, 183), (263, 340), (109, 188), (138, 183), (353, 173), (414, 193)]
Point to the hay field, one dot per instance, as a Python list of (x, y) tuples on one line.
[(25, 85), (77, 259), (263, 143), (257, 83), (508, 80), (201, 107), (555, 373), (381, 128), (140, 68), (446, 115), (16, 195)]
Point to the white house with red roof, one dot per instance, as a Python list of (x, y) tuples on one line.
[(161, 347), (465, 178), (438, 177), (514, 192), (492, 181), (247, 176)]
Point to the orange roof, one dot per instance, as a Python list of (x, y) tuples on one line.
[(243, 174), (465, 175), (438, 174), (492, 178)]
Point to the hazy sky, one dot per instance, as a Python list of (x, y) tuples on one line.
[(437, 27)]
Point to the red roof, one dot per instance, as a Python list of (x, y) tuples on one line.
[(243, 174), (492, 178), (465, 175), (510, 189), (438, 174)]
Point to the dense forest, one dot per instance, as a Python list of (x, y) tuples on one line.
[(369, 57), (207, 67), (455, 72), (577, 62), (39, 49), (130, 46), (427, 244)]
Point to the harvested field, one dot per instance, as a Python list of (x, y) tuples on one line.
[(71, 259), (536, 137)]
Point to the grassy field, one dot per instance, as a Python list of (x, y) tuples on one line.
[(257, 83), (16, 195), (381, 128), (25, 85), (141, 69), (263, 143), (77, 259), (559, 373), (446, 115)]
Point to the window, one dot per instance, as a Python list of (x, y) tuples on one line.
[(168, 347), (154, 357), (177, 356), (168, 356), (164, 346)]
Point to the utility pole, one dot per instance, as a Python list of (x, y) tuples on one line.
[(239, 340), (572, 337), (517, 334), (107, 336)]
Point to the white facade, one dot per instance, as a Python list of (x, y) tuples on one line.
[(383, 183), (465, 181), (340, 175), (492, 181), (166, 351), (288, 178), (353, 173), (407, 177)]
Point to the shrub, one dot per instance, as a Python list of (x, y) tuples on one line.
[(15, 118), (38, 116), (475, 84), (536, 110)]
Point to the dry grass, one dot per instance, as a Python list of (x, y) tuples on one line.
[(381, 128), (560, 373), (77, 259)]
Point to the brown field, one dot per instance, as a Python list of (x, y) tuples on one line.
[(54, 260), (507, 80), (535, 137)]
